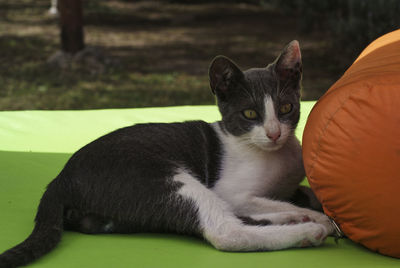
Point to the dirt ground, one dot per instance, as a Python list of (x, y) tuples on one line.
[(146, 53)]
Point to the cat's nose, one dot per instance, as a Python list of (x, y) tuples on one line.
[(274, 136)]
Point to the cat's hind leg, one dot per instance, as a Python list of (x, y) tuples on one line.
[(88, 223), (304, 197), (225, 231)]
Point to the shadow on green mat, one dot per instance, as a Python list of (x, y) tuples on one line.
[(24, 176)]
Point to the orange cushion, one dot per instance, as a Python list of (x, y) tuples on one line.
[(351, 148)]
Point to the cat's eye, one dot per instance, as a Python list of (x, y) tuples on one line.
[(285, 108), (250, 114)]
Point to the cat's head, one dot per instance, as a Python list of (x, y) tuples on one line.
[(260, 106)]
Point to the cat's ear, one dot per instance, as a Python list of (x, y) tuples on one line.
[(288, 65), (223, 72)]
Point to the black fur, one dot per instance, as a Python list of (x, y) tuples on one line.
[(124, 178), (133, 168), (122, 182), (251, 221), (304, 197)]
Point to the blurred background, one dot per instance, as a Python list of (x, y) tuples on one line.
[(119, 53)]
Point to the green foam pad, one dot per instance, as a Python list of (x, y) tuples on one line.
[(34, 146)]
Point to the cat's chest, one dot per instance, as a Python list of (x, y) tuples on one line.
[(247, 172), (259, 175)]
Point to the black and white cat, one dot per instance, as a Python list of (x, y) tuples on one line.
[(229, 182)]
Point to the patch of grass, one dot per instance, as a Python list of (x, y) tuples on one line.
[(159, 53), (37, 86)]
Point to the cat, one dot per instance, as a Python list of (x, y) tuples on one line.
[(229, 182)]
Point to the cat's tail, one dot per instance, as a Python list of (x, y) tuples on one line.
[(45, 235)]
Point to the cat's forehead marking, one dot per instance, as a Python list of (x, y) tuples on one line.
[(270, 114), (271, 122)]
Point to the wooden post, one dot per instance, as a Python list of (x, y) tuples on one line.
[(71, 20)]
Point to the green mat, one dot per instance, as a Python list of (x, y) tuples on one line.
[(34, 146)]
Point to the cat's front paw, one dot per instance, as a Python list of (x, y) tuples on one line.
[(323, 220), (314, 235)]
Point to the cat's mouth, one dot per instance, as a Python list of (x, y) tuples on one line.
[(269, 145), (264, 144)]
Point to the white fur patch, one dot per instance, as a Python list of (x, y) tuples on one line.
[(215, 214), (271, 123), (226, 232)]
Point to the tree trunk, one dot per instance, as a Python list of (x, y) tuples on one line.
[(71, 20)]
